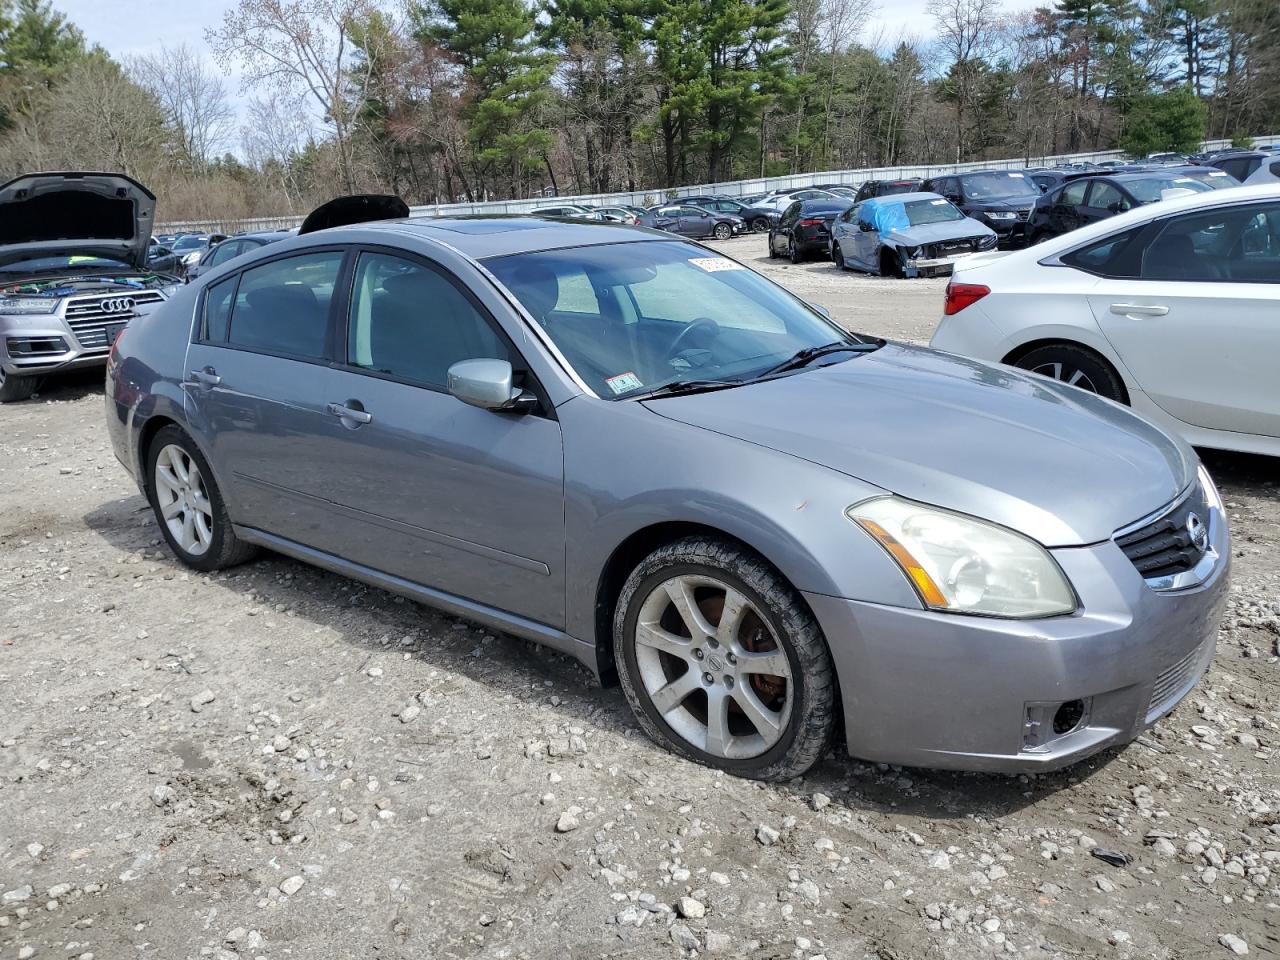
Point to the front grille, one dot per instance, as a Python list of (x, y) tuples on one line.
[(89, 317), (1174, 679), (948, 248), (1024, 216), (1165, 546)]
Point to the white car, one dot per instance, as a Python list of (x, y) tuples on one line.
[(1172, 308)]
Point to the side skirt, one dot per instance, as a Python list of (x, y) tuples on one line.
[(491, 617)]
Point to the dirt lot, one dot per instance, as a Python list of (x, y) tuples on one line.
[(279, 762)]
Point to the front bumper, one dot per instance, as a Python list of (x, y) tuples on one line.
[(933, 266), (967, 693), (54, 351)]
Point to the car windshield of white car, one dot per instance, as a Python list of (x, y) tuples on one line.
[(1151, 189), (999, 186), (634, 317), (920, 212)]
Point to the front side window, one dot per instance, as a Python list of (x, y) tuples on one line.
[(1106, 196), (411, 322), (664, 312), (1238, 244), (283, 306), (225, 251)]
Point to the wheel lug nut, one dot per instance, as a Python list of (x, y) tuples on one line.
[(698, 654), (708, 678), (728, 682), (732, 659)]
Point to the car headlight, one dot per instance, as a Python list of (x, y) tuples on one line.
[(28, 306), (960, 564), (1001, 215)]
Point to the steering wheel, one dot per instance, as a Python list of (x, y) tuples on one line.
[(684, 339)]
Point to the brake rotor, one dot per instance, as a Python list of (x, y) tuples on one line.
[(757, 640)]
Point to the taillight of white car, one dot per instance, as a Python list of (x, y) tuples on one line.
[(961, 295)]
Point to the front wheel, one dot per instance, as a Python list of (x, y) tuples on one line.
[(723, 231), (189, 506), (759, 225), (837, 257), (1077, 367), (14, 387), (722, 662)]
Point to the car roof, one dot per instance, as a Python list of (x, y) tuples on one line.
[(825, 203), (902, 197), (482, 235)]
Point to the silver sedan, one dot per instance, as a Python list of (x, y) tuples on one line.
[(627, 447)]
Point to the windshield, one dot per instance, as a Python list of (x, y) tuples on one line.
[(1213, 179), (998, 186), (190, 243), (931, 211), (1151, 189), (632, 317)]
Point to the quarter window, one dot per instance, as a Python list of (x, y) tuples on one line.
[(217, 309), (409, 321), (283, 306), (1114, 256)]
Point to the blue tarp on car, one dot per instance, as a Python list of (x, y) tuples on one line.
[(885, 214)]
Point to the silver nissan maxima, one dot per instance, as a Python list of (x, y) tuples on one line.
[(635, 450)]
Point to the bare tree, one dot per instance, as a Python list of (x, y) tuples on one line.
[(305, 45), (967, 34), (193, 97), (278, 126)]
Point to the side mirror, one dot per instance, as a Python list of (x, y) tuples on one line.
[(865, 227), (704, 214), (487, 384)]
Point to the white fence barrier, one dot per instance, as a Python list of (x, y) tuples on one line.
[(733, 188)]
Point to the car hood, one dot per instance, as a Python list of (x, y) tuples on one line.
[(990, 206), (70, 214), (934, 232), (1060, 465)]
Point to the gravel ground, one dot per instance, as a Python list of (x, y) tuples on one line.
[(276, 762)]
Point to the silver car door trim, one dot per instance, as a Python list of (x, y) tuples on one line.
[(422, 533)]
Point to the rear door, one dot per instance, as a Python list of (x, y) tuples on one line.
[(1199, 327), (252, 389), (1064, 212), (425, 487)]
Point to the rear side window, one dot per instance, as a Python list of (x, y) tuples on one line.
[(1118, 255), (283, 306), (410, 322), (1073, 193), (1106, 195), (217, 309)]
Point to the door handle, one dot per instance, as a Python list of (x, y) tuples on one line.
[(1139, 309), (350, 413), (206, 377)]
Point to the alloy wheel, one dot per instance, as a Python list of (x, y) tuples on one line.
[(183, 500), (712, 668), (723, 231), (1067, 373)]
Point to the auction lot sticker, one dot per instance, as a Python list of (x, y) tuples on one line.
[(716, 264)]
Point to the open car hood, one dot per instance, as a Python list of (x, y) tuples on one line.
[(69, 214), (360, 208)]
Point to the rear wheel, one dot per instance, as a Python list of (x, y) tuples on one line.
[(794, 253), (837, 257), (723, 231), (722, 662), (15, 387), (773, 254), (759, 224), (1077, 367), (189, 506)]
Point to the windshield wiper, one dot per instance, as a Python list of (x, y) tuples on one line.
[(803, 357), (684, 386)]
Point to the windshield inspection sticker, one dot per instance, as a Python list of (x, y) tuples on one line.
[(938, 203), (715, 265), (1218, 173), (1018, 175), (624, 382)]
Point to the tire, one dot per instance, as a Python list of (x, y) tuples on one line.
[(14, 387), (837, 257), (773, 254), (1078, 367), (723, 231), (759, 224), (794, 253), (795, 714), (214, 545), (890, 266), (1040, 236)]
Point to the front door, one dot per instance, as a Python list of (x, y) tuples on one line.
[(425, 487), (1199, 328), (252, 390)]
